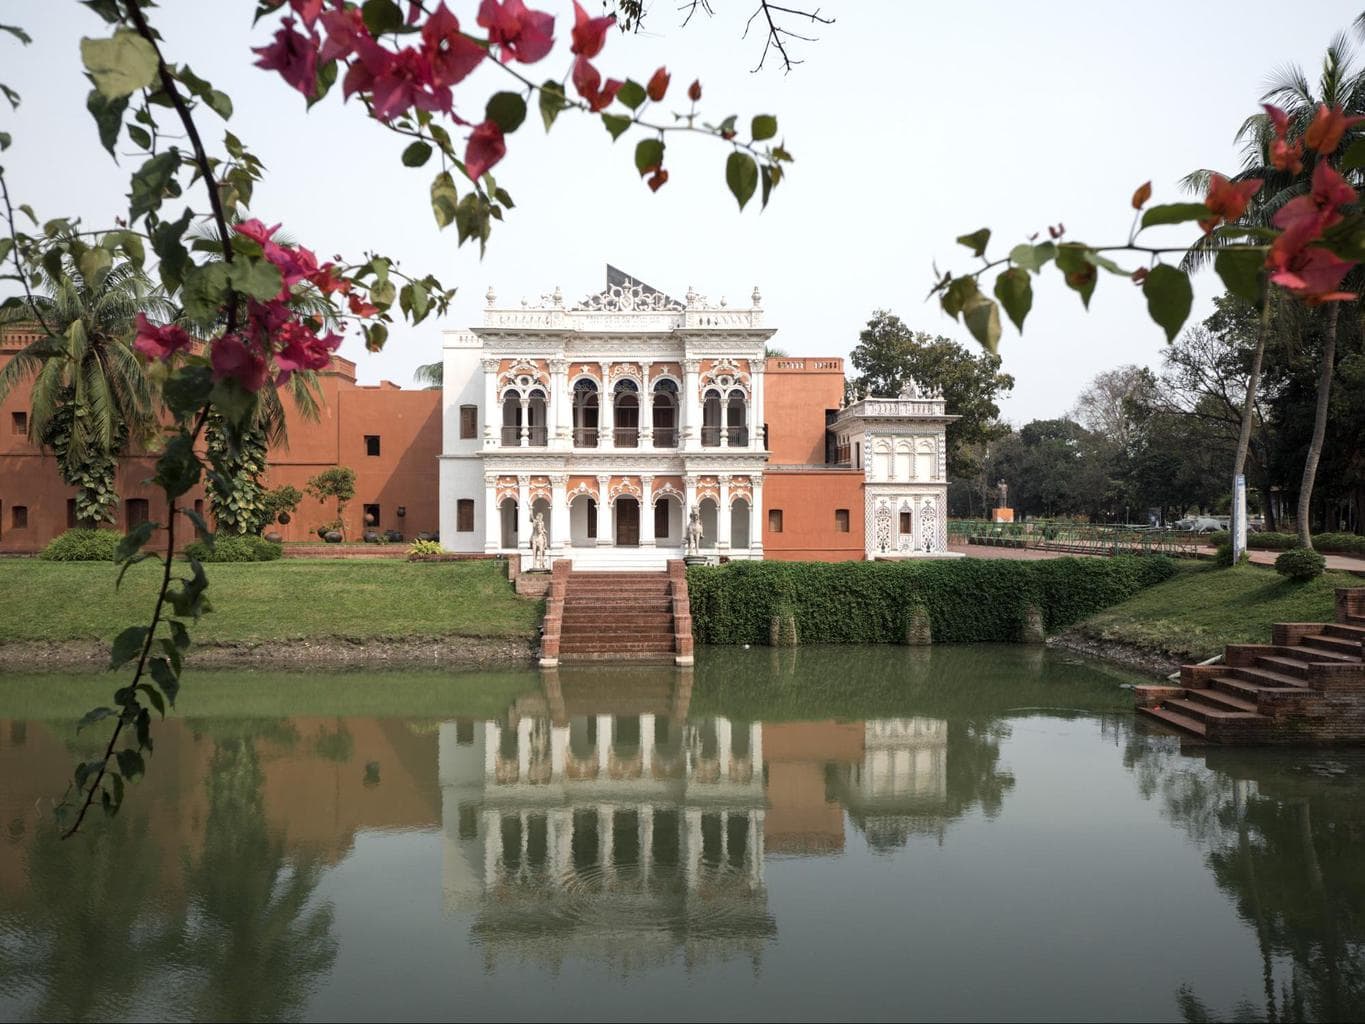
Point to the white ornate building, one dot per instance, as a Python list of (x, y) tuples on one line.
[(611, 419)]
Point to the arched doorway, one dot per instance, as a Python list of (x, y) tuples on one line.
[(507, 510), (709, 517), (739, 524), (737, 420), (511, 419), (668, 521), (665, 414), (627, 522), (585, 413), (583, 521), (710, 419), (625, 414), (535, 418)]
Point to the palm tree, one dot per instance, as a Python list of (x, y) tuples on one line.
[(1341, 83), (89, 395), (431, 375)]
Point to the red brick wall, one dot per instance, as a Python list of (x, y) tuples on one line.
[(808, 499)]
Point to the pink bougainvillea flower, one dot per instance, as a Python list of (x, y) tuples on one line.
[(589, 35), (486, 147), (588, 82), (360, 307), (1302, 220), (521, 33), (159, 342), (233, 359), (294, 55), (1227, 200), (397, 82), (345, 29), (451, 54), (301, 349), (1328, 126), (1284, 155), (1313, 275), (328, 279), (255, 230), (308, 10), (658, 85), (295, 263)]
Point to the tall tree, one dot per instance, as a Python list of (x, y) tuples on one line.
[(889, 355), (89, 395)]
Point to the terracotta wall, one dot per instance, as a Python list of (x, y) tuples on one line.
[(796, 393), (808, 500), (408, 424)]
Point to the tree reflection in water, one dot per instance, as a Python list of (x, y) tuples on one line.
[(1284, 832)]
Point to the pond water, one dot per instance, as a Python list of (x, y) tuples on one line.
[(961, 833)]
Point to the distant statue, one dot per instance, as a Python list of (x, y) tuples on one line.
[(1002, 491), (540, 542), (694, 531)]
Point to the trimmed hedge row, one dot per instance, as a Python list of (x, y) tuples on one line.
[(1332, 543), (82, 545), (247, 547), (969, 600)]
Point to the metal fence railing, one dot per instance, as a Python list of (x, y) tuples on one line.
[(1076, 538)]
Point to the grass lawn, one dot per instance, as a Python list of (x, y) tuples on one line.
[(287, 599), (1193, 615)]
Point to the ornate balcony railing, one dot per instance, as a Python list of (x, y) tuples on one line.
[(626, 437), (585, 437), (665, 437)]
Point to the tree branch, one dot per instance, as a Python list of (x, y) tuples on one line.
[(18, 266)]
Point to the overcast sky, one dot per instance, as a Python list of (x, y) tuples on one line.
[(910, 123)]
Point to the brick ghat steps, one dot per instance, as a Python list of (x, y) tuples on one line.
[(1306, 687), (617, 616)]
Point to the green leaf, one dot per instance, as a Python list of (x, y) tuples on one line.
[(959, 292), (615, 124), (1078, 270), (649, 153), (201, 527), (506, 110), (153, 694), (6, 138), (381, 16), (178, 468), (180, 636), (632, 94), (1354, 157), (18, 33), (204, 291), (232, 400), (217, 101), (120, 65), (1174, 213), (150, 181), (1169, 297), (444, 199), (1242, 272), (1015, 292), (764, 126), (94, 715), (976, 241), (187, 389), (741, 174), (167, 678), (127, 645), (93, 264), (136, 559), (552, 101), (1033, 257), (259, 279), (141, 137), (132, 541), (982, 317), (173, 257), (130, 763), (108, 115), (416, 154)]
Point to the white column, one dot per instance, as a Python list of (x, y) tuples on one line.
[(690, 499), (606, 835), (756, 515), (492, 517), (561, 403), (646, 842), (490, 749), (606, 520), (563, 847), (692, 846), (603, 742), (559, 513), (524, 435), (756, 847), (723, 515), (646, 407), (646, 512), (559, 751), (756, 378), (756, 750), (606, 418), (689, 405), (492, 412), (725, 420), (724, 740), (647, 745), (523, 749), (524, 513)]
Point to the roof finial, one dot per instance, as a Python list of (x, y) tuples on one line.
[(758, 299), (491, 297)]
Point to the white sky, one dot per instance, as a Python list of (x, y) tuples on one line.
[(910, 123)]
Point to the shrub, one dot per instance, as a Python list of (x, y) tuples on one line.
[(236, 548), (422, 548), (83, 546), (1222, 554), (968, 600), (1333, 543), (1300, 564), (1340, 543)]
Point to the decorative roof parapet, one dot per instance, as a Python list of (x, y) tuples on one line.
[(629, 307)]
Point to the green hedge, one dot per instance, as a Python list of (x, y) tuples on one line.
[(83, 546), (970, 600), (1300, 564), (236, 548), (1332, 543)]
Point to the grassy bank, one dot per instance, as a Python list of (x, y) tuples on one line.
[(290, 599), (1193, 615)]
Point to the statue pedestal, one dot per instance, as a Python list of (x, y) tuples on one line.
[(694, 560), (1002, 515)]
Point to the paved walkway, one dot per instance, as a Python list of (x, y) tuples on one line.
[(1344, 563)]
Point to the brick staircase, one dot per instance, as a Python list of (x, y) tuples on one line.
[(1307, 686), (617, 616)]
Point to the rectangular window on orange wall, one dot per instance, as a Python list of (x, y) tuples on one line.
[(841, 520), (464, 515), (469, 421), (372, 444), (136, 511), (70, 513), (774, 520), (18, 516), (18, 422)]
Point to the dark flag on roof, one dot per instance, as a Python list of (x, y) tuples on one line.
[(619, 278)]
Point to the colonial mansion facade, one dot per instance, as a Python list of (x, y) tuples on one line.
[(596, 429)]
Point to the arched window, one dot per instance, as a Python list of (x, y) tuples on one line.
[(665, 414), (511, 418), (535, 418), (626, 414), (585, 413), (710, 418), (737, 419)]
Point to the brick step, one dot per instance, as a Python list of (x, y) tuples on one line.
[(1207, 713), (1315, 654), (638, 620), (640, 656), (570, 646), (1350, 648), (595, 575), (1182, 723), (615, 609), (1221, 701), (613, 636), (1267, 677), (1345, 631), (1255, 691), (1301, 668)]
